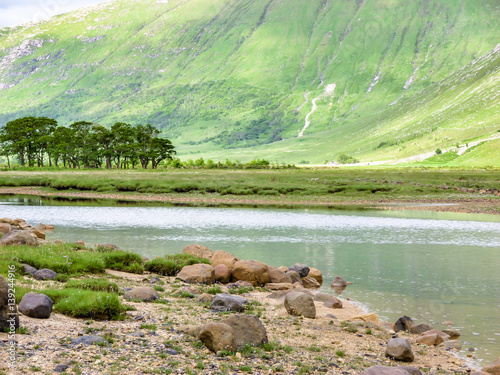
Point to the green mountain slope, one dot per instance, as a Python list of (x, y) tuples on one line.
[(287, 80)]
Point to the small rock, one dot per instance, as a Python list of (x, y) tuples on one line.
[(419, 328), (310, 283), (45, 274), (451, 344), (279, 286), (366, 318), (171, 351), (400, 350), (276, 276), (453, 333), (29, 269), (300, 304), (143, 293), (228, 302), (338, 282), (432, 339), (87, 340), (443, 335), (205, 297), (193, 331), (404, 323), (5, 228), (333, 303), (316, 274), (222, 273), (61, 368)]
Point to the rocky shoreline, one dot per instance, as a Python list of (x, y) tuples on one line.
[(483, 204), (225, 316)]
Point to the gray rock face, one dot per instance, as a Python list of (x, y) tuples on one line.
[(404, 323), (400, 350), (218, 336), (294, 276), (386, 370), (45, 274), (247, 330), (36, 305), (87, 340), (18, 237), (29, 269), (144, 293), (228, 302), (301, 269), (5, 309), (300, 304)]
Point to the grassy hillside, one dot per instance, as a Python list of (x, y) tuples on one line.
[(379, 80)]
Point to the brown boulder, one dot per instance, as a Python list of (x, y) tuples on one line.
[(247, 330), (23, 225), (38, 233), (278, 277), (218, 336), (437, 332), (338, 282), (310, 283), (17, 221), (252, 271), (283, 269), (4, 228), (279, 286), (6, 220), (316, 274), (453, 333), (18, 237), (197, 274), (44, 227), (222, 273), (419, 328), (333, 303), (198, 250), (143, 293), (300, 304), (223, 257), (493, 369), (366, 318), (432, 339)]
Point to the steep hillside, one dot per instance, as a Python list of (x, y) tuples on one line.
[(289, 80)]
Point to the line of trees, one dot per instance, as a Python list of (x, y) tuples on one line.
[(38, 141)]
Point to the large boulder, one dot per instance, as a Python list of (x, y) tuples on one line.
[(8, 309), (18, 237), (252, 271), (247, 330), (222, 273), (143, 293), (301, 269), (443, 335), (197, 274), (300, 304), (400, 350), (386, 370), (277, 276), (36, 305), (218, 336), (228, 302), (316, 274), (223, 257), (45, 274), (198, 250), (493, 369)]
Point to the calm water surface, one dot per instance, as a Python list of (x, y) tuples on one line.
[(433, 267)]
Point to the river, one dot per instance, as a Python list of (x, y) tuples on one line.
[(433, 267)]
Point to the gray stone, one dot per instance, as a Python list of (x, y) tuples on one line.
[(45, 274), (338, 282), (36, 305), (87, 340), (451, 345), (18, 237), (228, 302), (247, 330), (300, 304), (294, 276), (144, 293), (29, 269), (400, 350), (61, 368), (404, 323), (301, 269)]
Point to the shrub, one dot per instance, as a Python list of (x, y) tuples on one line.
[(170, 265)]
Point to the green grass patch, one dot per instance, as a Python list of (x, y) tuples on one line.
[(170, 265), (99, 285)]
